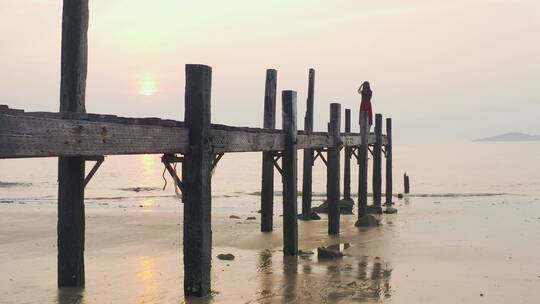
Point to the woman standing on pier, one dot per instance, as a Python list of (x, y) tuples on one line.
[(365, 105)]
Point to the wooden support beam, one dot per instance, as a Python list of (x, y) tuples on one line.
[(355, 154), (196, 174), (34, 136), (347, 161), (289, 159), (363, 165), (276, 164), (94, 169), (267, 181), (46, 134), (71, 219), (389, 185), (215, 160), (308, 153), (333, 170), (319, 154), (377, 162), (172, 172)]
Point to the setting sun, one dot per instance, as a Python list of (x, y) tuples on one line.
[(147, 87)]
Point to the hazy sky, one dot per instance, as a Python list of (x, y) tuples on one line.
[(444, 70)]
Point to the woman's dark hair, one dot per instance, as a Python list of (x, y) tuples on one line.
[(365, 90)]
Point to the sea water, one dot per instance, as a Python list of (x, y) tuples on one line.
[(461, 170)]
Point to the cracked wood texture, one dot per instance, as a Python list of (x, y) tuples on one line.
[(47, 134)]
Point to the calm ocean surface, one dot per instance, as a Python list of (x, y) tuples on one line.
[(467, 171)]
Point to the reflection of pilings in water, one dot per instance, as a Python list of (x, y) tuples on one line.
[(362, 268), (375, 282), (376, 286), (265, 262), (290, 271), (266, 270), (69, 295)]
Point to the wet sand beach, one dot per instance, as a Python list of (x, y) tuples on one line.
[(435, 250)]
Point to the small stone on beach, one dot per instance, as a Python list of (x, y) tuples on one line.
[(302, 253), (345, 207), (225, 256), (250, 218), (234, 217), (311, 217), (367, 220), (390, 210), (374, 210), (327, 253)]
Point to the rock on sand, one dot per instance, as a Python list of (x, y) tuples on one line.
[(345, 207), (327, 253), (367, 221), (226, 256)]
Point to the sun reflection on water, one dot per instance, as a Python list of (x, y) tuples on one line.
[(149, 202), (148, 169), (147, 276)]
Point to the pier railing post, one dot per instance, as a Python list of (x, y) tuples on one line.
[(363, 165), (332, 169), (71, 219), (196, 172), (289, 162), (267, 186), (389, 161), (347, 161), (308, 153), (377, 164)]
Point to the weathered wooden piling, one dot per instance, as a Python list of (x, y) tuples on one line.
[(267, 186), (71, 219), (333, 170), (389, 185), (377, 162), (406, 183), (347, 161), (289, 162), (196, 172), (308, 153), (363, 165)]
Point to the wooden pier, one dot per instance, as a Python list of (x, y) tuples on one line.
[(76, 137)]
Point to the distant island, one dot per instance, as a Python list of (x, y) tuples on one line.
[(515, 136)]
